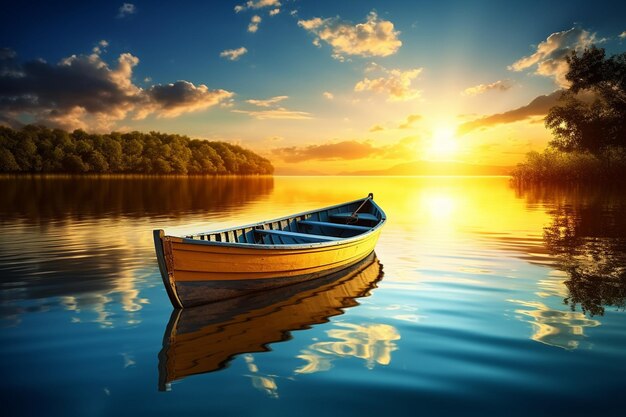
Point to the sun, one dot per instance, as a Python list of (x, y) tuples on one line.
[(443, 143)]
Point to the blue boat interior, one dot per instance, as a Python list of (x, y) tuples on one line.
[(326, 225)]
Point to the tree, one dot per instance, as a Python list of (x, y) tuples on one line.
[(38, 149), (597, 125), (112, 150), (7, 161), (98, 162), (74, 164)]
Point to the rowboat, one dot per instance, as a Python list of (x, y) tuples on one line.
[(216, 265), (206, 338)]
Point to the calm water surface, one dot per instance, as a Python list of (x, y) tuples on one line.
[(492, 301)]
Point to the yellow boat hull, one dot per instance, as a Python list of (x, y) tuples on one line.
[(204, 268)]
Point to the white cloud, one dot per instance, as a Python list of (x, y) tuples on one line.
[(410, 120), (267, 102), (372, 66), (126, 9), (311, 24), (278, 113), (259, 4), (274, 12), (374, 37), (100, 47), (395, 83), (254, 23), (263, 3), (500, 85), (174, 99), (405, 149), (271, 110), (328, 95), (549, 58), (537, 108), (233, 54), (83, 91), (622, 35)]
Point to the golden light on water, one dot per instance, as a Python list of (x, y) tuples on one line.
[(440, 231), (439, 206)]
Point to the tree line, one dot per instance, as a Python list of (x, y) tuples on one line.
[(589, 129), (37, 149)]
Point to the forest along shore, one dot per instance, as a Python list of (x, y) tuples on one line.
[(37, 149)]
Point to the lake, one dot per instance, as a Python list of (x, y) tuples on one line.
[(484, 300)]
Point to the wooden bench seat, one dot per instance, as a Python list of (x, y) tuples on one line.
[(360, 216), (303, 236), (335, 225)]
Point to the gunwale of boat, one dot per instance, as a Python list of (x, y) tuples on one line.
[(190, 239)]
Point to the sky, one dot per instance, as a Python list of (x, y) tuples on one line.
[(315, 86)]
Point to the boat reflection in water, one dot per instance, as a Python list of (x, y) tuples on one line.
[(205, 338)]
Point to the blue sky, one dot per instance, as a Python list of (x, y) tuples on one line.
[(438, 50)]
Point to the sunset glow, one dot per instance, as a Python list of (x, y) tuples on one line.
[(443, 143), (315, 87)]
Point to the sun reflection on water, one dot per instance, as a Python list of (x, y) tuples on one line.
[(439, 206)]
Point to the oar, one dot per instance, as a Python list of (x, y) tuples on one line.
[(354, 217)]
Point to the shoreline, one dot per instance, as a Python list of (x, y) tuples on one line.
[(135, 175), (128, 175)]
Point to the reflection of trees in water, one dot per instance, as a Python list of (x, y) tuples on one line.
[(75, 242), (587, 237), (44, 198), (591, 248)]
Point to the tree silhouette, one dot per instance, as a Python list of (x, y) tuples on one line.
[(596, 125), (589, 125), (39, 149)]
